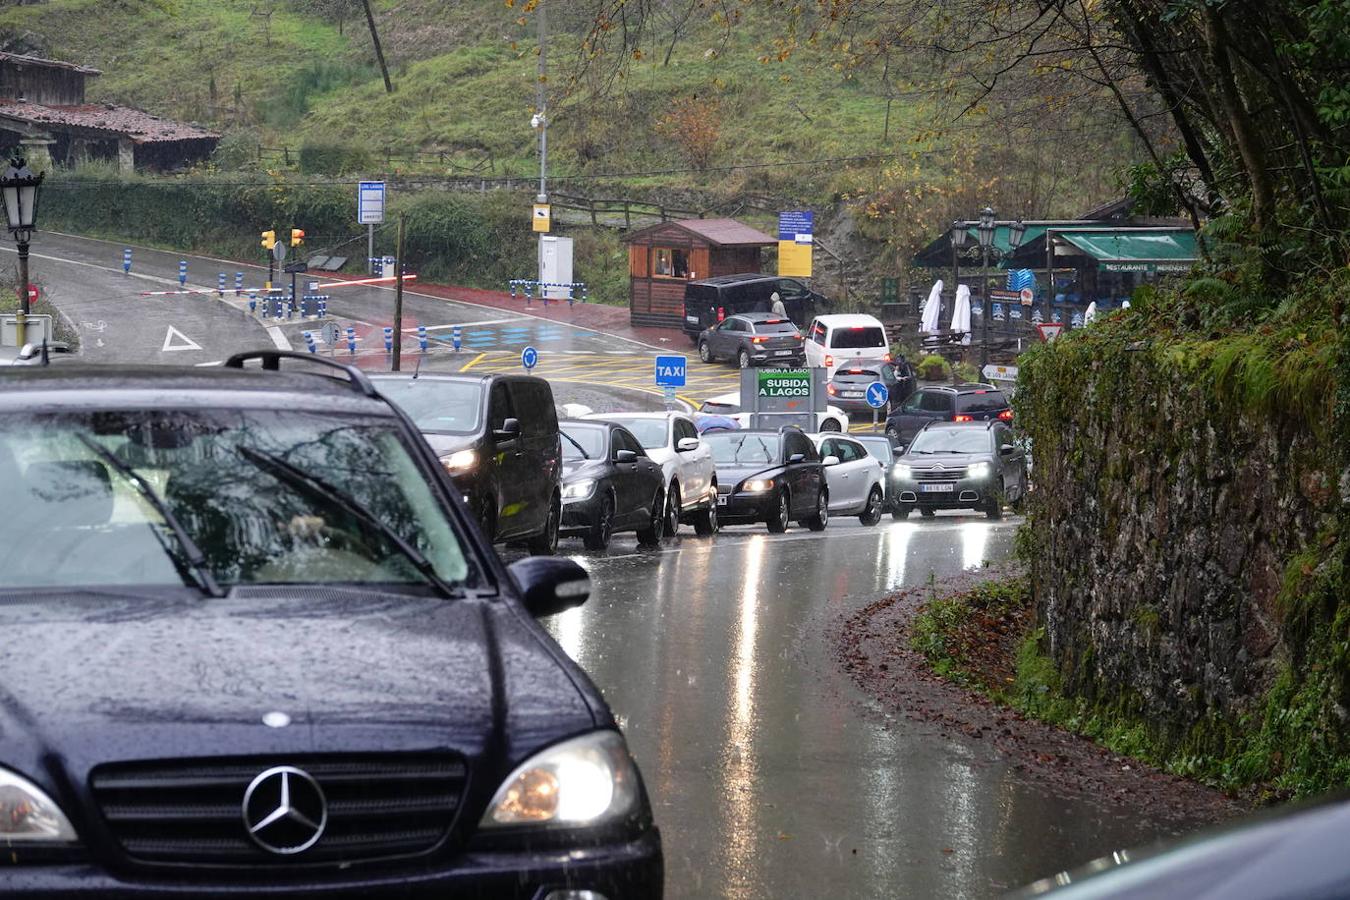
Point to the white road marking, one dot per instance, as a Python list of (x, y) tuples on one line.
[(473, 324), (176, 340), (278, 337)]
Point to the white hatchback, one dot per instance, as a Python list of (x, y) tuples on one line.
[(672, 441), (729, 405), (845, 338), (857, 482)]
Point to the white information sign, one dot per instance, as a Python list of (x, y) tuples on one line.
[(370, 203)]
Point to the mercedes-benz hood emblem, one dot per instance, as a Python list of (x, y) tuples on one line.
[(285, 810)]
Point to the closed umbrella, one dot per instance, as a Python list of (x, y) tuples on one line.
[(961, 314), (932, 309), (1091, 313)]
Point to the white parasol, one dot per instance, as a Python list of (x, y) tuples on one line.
[(961, 313), (1091, 313), (932, 309)]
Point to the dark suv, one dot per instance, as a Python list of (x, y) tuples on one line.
[(775, 477), (497, 436), (971, 402), (267, 651), (711, 300), (753, 339), (967, 465)]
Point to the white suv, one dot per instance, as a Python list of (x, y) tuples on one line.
[(672, 441), (836, 340)]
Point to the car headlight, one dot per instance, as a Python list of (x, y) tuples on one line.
[(575, 490), (460, 461), (758, 485), (589, 780), (28, 815), (902, 471), (979, 470)]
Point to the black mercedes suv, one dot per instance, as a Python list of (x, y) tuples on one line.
[(256, 644)]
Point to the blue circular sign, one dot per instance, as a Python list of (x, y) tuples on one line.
[(877, 395), (529, 357)]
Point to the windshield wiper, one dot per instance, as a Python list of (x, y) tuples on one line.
[(196, 559), (318, 488), (580, 449)]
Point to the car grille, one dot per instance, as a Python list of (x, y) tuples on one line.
[(946, 474), (191, 812)]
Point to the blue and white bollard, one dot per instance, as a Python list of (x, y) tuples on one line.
[(252, 303), (238, 283), (309, 342), (126, 261), (182, 272), (220, 284), (388, 339), (571, 292), (456, 338), (323, 306), (422, 337), (351, 340), (529, 294)]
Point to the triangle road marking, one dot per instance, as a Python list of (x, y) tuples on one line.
[(176, 340)]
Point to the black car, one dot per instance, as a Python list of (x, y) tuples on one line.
[(266, 650), (711, 300), (753, 339), (497, 436), (775, 477), (970, 402), (610, 484), (960, 465), (848, 387)]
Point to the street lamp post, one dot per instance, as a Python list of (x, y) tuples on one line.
[(986, 233), (959, 235), (20, 188)]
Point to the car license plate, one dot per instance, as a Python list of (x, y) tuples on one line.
[(850, 393), (938, 488), (722, 499), (782, 353), (691, 318)]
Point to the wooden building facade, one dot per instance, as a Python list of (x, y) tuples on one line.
[(663, 258)]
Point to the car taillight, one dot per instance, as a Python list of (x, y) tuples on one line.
[(886, 358), (829, 361), (963, 419), (799, 337), (1006, 415), (721, 313), (831, 389)]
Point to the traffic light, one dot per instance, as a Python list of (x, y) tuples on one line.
[(297, 237), (268, 239)]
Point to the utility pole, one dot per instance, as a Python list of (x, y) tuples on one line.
[(379, 51), (541, 114), (398, 296)]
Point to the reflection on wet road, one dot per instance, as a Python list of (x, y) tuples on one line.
[(769, 773)]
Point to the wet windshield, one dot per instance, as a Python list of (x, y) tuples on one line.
[(441, 407), (583, 441), (86, 522), (651, 433), (743, 449), (952, 440)]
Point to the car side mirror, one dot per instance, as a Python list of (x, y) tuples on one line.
[(797, 457), (686, 444), (509, 431), (625, 456), (1006, 450), (549, 584), (830, 460)]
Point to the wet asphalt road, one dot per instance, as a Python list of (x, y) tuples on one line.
[(770, 773)]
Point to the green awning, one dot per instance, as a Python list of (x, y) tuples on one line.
[(1133, 250), (1001, 236)]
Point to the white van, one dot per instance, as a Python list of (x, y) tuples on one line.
[(836, 340)]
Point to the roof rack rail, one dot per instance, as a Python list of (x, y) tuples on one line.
[(271, 362)]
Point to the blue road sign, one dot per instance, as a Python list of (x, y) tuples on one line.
[(796, 225), (877, 395), (671, 371), (529, 357)]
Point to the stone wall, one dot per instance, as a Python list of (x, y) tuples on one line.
[(1166, 513)]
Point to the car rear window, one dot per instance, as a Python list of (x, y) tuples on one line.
[(985, 401), (775, 326), (858, 337), (856, 376)]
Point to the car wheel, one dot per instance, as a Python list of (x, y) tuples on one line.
[(546, 543), (603, 526), (705, 520), (927, 512), (705, 352), (830, 425), (743, 358), (821, 518), (781, 514), (1019, 505), (871, 513), (994, 510), (900, 513), (672, 510), (651, 535)]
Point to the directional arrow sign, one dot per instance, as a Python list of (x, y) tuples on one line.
[(877, 395), (1050, 330), (529, 358), (176, 340)]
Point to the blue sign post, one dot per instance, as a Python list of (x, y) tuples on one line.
[(456, 338), (877, 396), (671, 371), (126, 261), (529, 358)]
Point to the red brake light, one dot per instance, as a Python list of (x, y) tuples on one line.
[(979, 392), (963, 419), (857, 328), (758, 340), (829, 361), (798, 337), (1006, 415), (886, 358), (721, 313), (831, 389)]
